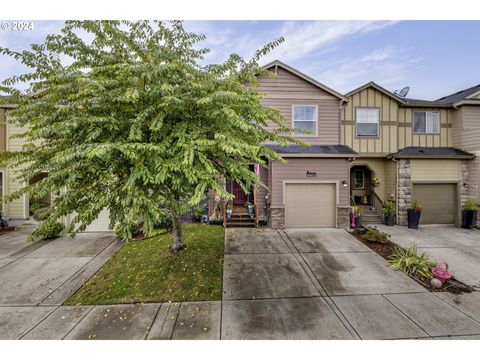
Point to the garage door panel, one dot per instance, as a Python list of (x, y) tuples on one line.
[(310, 205), (438, 202)]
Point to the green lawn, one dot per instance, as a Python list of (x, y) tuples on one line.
[(146, 271)]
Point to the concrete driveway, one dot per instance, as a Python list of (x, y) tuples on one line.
[(460, 248), (325, 284)]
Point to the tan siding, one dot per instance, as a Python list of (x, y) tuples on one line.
[(327, 170), (469, 128), (262, 193), (435, 170), (378, 166), (3, 130), (390, 179), (287, 90), (386, 142)]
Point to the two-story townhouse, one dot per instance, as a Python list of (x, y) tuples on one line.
[(312, 188), (407, 149)]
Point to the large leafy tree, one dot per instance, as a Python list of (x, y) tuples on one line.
[(135, 124)]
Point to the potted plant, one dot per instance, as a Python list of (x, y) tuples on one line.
[(229, 211), (388, 210), (414, 213), (250, 208), (356, 216), (469, 214)]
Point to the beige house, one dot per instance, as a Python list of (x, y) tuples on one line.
[(410, 148)]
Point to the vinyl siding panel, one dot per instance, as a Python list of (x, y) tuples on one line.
[(390, 179), (327, 170), (286, 90), (378, 166), (3, 130), (468, 128), (435, 170)]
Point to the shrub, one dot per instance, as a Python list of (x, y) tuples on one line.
[(388, 208), (375, 236), (50, 231), (164, 222), (416, 205), (34, 206), (197, 214), (411, 263), (40, 214)]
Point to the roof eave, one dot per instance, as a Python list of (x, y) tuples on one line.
[(305, 77)]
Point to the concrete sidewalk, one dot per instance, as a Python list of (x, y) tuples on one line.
[(293, 284)]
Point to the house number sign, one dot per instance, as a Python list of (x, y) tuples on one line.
[(311, 173)]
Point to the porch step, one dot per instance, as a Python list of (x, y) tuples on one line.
[(241, 220), (371, 215)]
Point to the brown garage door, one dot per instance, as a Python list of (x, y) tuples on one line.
[(438, 201), (310, 205)]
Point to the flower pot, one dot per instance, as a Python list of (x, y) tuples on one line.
[(469, 219), (250, 210), (389, 220), (229, 214), (413, 218)]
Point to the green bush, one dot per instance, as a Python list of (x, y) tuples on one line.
[(411, 263), (197, 214), (34, 206), (40, 214), (164, 222), (388, 208), (470, 205), (375, 236), (49, 231)]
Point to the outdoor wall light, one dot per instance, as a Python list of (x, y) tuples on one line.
[(345, 183)]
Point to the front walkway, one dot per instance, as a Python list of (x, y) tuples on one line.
[(293, 284)]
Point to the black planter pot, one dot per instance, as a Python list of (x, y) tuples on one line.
[(413, 218), (469, 219), (389, 220)]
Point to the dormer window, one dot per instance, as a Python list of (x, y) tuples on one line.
[(426, 122), (367, 121), (305, 118)]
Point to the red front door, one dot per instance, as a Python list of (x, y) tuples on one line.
[(240, 196)]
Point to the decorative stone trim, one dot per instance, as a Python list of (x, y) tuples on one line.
[(405, 189), (277, 217), (343, 217)]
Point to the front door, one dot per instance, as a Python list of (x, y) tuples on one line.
[(240, 196)]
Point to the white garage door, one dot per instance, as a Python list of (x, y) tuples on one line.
[(310, 205), (101, 223)]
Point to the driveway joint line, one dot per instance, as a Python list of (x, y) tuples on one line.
[(40, 321), (79, 321), (153, 321), (330, 303), (455, 307)]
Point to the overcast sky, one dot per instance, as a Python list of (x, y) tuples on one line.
[(434, 58)]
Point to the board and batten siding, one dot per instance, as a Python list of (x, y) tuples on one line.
[(406, 136), (386, 142), (435, 170), (17, 209), (334, 170), (287, 89), (467, 132)]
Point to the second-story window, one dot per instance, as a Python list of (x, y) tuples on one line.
[(305, 117), (426, 122), (367, 121)]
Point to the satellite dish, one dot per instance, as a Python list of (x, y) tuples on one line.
[(402, 93)]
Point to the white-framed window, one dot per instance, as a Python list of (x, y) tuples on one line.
[(305, 117), (367, 121), (426, 122), (358, 179)]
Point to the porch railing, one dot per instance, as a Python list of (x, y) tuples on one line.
[(377, 203)]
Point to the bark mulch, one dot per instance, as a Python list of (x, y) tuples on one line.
[(7, 229), (387, 248)]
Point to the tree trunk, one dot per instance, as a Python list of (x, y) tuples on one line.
[(177, 232)]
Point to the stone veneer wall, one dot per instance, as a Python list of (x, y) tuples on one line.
[(277, 217), (473, 172), (343, 217), (404, 190)]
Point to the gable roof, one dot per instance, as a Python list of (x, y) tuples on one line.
[(278, 63), (462, 95), (379, 88)]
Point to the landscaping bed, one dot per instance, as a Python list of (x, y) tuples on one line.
[(147, 271), (386, 249), (7, 229)]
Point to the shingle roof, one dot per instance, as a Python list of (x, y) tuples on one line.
[(426, 103), (431, 152), (379, 88), (459, 96), (313, 149)]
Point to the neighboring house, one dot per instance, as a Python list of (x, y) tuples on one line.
[(312, 189), (411, 146)]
